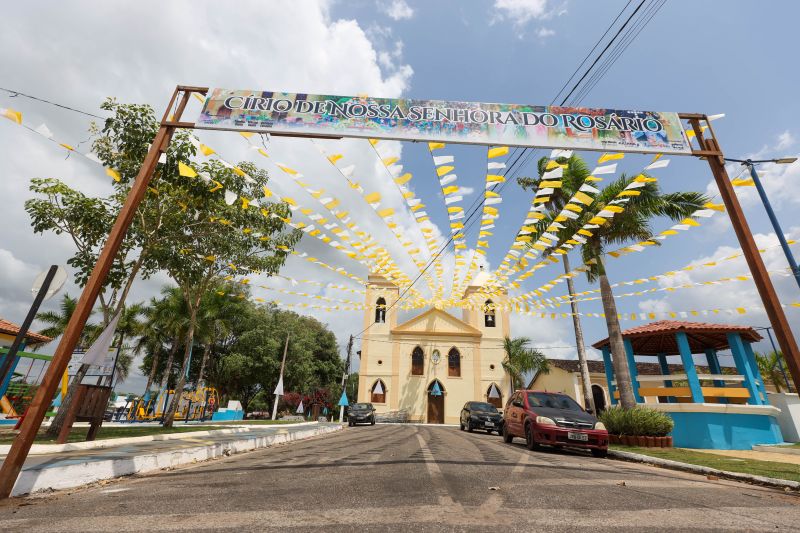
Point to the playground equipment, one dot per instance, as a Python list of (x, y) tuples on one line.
[(17, 394), (198, 404)]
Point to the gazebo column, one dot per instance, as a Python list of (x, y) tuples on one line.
[(609, 373), (662, 362), (751, 358), (633, 370), (713, 366), (745, 368), (688, 367)]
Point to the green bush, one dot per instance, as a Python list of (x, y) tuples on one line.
[(640, 421)]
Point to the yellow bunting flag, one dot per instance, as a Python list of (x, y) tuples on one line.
[(610, 157), (441, 171), (498, 151), (435, 146), (13, 115), (113, 174), (186, 171)]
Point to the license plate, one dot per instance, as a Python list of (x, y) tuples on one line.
[(577, 436), (490, 424)]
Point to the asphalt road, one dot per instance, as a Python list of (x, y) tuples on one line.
[(409, 478)]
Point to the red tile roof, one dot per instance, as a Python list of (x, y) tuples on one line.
[(9, 328), (659, 337)]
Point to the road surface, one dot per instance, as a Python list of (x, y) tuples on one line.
[(409, 478)]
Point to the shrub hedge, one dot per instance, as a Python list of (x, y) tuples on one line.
[(640, 421)]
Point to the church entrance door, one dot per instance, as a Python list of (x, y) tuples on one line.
[(435, 404)]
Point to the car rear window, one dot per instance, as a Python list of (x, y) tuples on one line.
[(555, 401)]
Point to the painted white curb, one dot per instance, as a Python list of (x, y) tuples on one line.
[(697, 469), (43, 449), (75, 475)]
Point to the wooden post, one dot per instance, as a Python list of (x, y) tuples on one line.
[(711, 150), (41, 401)]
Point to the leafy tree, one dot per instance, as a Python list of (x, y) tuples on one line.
[(520, 360), (633, 224), (575, 175), (209, 237)]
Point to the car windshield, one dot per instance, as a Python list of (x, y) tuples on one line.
[(555, 401), (480, 406), (361, 406)]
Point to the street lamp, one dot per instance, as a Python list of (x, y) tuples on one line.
[(762, 193)]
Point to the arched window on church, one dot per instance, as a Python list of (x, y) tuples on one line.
[(488, 314), (454, 363), (494, 396), (417, 362), (378, 392), (380, 310)]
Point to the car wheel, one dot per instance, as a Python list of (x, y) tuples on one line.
[(469, 427), (507, 437), (530, 442), (350, 424), (600, 454), (461, 426), (372, 423)]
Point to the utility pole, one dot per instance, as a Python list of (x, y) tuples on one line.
[(344, 376), (279, 387)]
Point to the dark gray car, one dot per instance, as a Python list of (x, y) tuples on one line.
[(361, 413), (481, 415)]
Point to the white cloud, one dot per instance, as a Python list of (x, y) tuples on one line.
[(141, 61), (398, 10), (521, 12), (544, 33), (785, 140), (730, 295)]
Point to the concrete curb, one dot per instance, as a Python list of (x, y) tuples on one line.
[(84, 472), (43, 449), (696, 469)]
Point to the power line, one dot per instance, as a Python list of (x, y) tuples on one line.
[(17, 93)]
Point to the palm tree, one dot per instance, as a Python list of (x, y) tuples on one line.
[(769, 364), (129, 327), (520, 360), (165, 321), (57, 321), (575, 175), (632, 224), (213, 323)]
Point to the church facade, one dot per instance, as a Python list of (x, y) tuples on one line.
[(432, 364)]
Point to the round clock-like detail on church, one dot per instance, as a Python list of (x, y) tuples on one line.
[(436, 357)]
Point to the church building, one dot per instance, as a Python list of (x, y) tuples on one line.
[(432, 364)]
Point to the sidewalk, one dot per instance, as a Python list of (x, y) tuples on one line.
[(73, 468), (759, 454)]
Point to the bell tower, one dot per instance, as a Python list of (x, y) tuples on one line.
[(380, 316)]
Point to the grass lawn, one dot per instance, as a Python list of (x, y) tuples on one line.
[(79, 434), (720, 462)]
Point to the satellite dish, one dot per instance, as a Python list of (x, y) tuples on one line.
[(55, 285)]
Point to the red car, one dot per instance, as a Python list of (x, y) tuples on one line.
[(553, 419)]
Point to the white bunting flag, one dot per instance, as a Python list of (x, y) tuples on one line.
[(661, 163), (442, 159), (279, 386), (230, 197), (98, 351), (605, 169)]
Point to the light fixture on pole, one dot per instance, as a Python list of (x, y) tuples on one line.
[(751, 165)]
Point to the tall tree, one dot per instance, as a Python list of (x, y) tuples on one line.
[(120, 144), (575, 175), (520, 360), (213, 234), (632, 224), (57, 321)]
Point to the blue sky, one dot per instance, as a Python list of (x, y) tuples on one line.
[(731, 57)]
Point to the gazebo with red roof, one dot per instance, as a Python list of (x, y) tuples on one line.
[(705, 395)]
